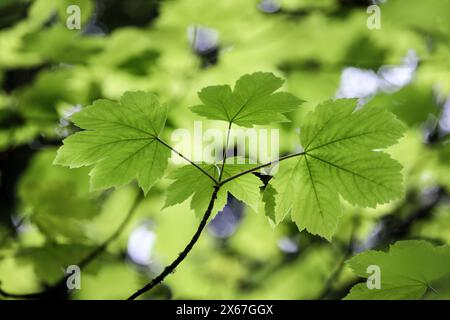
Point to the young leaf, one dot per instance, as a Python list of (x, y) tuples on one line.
[(339, 158), (253, 101), (407, 271), (120, 141), (191, 182)]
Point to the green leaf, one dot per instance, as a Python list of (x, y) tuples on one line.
[(336, 124), (407, 271), (189, 181), (56, 199), (253, 101), (51, 260), (338, 158), (120, 141), (412, 104)]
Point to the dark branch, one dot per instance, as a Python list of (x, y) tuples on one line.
[(57, 289), (170, 268), (338, 270), (392, 228)]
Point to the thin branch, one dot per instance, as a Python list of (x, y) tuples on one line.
[(56, 288), (340, 267), (171, 267), (187, 159), (20, 296), (262, 166), (391, 227), (100, 249), (224, 153)]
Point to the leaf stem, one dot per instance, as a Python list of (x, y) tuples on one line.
[(348, 250), (171, 267), (187, 159), (224, 153), (262, 166)]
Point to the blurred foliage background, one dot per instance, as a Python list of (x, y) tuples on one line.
[(323, 48)]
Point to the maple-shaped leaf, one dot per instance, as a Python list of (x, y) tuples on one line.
[(120, 141), (340, 157), (252, 102), (407, 271), (189, 181)]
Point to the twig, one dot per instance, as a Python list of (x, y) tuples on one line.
[(170, 268), (337, 272), (5, 294), (58, 287)]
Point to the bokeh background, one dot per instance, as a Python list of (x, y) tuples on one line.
[(324, 50)]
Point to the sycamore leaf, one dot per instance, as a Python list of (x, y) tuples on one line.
[(407, 271), (338, 158), (120, 141), (253, 101), (189, 181)]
